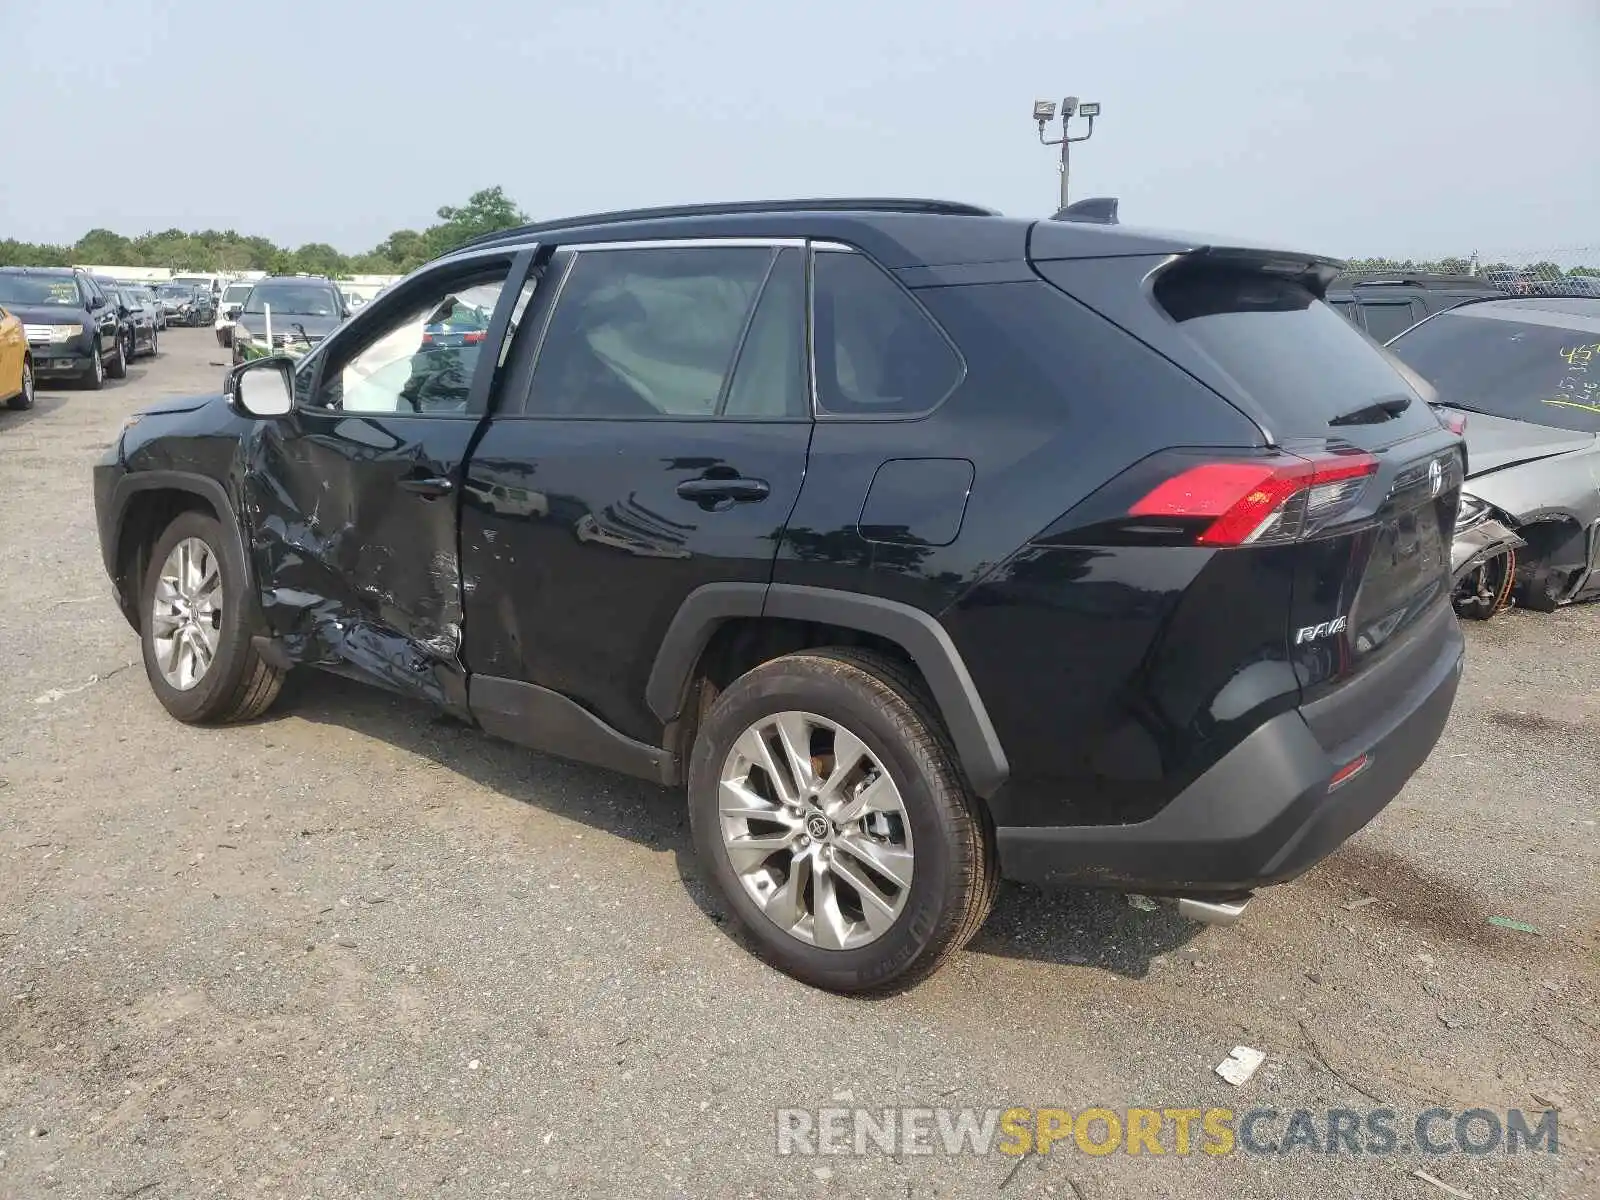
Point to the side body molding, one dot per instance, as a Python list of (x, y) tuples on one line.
[(914, 631)]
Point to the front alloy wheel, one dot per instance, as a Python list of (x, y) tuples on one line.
[(197, 634), (816, 830), (186, 613)]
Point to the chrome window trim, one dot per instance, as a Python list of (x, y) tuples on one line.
[(683, 243)]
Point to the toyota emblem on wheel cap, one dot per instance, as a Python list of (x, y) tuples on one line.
[(817, 826), (1435, 478)]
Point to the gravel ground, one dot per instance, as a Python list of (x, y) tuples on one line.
[(354, 950)]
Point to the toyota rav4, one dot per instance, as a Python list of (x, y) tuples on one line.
[(921, 546)]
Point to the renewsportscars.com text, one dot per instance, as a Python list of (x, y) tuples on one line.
[(1179, 1131)]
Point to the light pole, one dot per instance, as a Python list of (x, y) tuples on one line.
[(1044, 112)]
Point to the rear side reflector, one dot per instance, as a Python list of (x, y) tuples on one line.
[(1280, 498), (1349, 771)]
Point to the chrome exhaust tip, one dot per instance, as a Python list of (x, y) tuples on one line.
[(1213, 912)]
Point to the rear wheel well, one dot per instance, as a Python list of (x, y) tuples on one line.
[(147, 515), (741, 644)]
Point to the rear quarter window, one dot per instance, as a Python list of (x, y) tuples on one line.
[(1299, 361)]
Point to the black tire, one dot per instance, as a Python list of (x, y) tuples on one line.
[(1540, 590), (953, 885), (117, 368), (23, 400), (239, 684), (96, 378), (155, 342)]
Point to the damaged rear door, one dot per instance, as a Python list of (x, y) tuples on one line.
[(355, 496)]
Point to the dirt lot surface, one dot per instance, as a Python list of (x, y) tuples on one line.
[(352, 950)]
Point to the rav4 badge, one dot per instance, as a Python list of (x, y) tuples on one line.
[(1311, 633)]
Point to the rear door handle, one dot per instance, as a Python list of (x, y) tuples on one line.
[(710, 490), (430, 488)]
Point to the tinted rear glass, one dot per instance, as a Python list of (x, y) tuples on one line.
[(1300, 362), (1511, 360), (1385, 319)]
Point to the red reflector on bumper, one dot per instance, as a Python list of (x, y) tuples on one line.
[(1347, 772)]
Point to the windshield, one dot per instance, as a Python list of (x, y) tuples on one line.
[(236, 293), (140, 295), (1512, 360), (294, 299), (39, 289), (175, 291)]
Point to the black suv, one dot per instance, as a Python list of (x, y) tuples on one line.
[(1384, 304), (74, 329), (922, 545)]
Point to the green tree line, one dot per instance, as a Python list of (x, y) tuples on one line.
[(227, 250), (1463, 266), (406, 249)]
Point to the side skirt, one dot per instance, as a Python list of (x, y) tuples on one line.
[(547, 721)]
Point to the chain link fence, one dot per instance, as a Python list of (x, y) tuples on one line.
[(1562, 271)]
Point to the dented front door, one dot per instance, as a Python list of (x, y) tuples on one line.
[(355, 496)]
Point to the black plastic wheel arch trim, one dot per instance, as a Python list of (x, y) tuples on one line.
[(918, 633), (203, 486)]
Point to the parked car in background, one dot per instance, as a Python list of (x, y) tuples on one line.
[(1525, 373), (138, 329), (73, 329), (232, 300), (139, 320), (924, 546), (1385, 303), (458, 323), (286, 314), (185, 304), (16, 363), (208, 283), (147, 294)]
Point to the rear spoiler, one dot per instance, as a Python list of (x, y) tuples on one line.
[(1097, 210)]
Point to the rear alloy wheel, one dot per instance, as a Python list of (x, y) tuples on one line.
[(23, 400), (198, 653), (828, 810)]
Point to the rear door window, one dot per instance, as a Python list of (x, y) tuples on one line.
[(647, 332), (1300, 362), (1510, 359)]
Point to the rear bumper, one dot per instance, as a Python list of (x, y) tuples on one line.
[(1265, 812)]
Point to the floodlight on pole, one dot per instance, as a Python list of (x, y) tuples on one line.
[(1044, 112)]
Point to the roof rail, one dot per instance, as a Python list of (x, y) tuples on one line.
[(950, 208)]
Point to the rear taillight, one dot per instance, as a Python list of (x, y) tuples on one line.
[(1261, 501)]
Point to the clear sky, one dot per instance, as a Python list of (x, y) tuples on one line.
[(1402, 127)]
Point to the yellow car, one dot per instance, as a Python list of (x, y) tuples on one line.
[(16, 364)]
